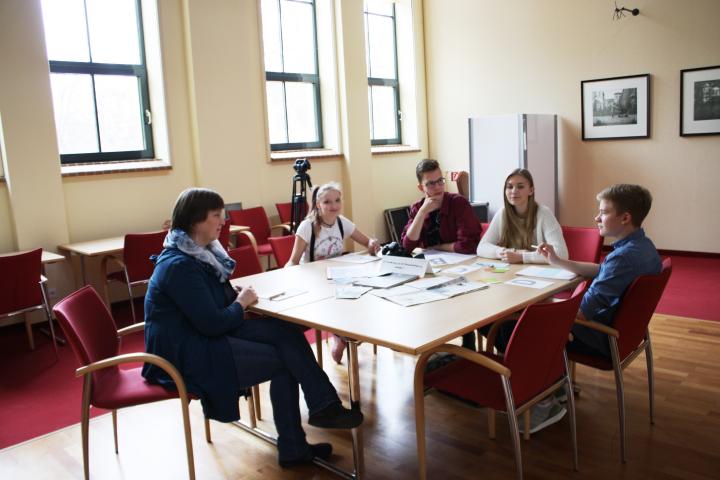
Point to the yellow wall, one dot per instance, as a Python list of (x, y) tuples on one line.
[(214, 97), (524, 56)]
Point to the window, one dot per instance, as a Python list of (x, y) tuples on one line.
[(382, 67), (98, 78), (291, 74)]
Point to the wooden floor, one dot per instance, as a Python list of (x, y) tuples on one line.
[(684, 443)]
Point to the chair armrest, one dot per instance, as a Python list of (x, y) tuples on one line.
[(283, 226), (465, 353), (250, 237), (131, 329), (138, 357), (104, 264), (599, 327)]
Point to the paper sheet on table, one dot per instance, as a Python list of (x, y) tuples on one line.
[(437, 258), (280, 295), (418, 297), (384, 281), (434, 282), (350, 291), (546, 272), (355, 271), (358, 258), (484, 263), (391, 292), (462, 269), (528, 282)]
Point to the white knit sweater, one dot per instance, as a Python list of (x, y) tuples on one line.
[(547, 229)]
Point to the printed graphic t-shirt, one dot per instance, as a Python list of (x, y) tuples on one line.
[(329, 242)]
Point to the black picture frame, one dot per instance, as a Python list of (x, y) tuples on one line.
[(700, 101), (615, 108)]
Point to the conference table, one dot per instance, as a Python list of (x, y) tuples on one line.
[(412, 330), (108, 246)]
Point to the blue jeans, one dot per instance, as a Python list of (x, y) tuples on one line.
[(271, 349)]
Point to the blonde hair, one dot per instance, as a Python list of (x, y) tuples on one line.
[(518, 232), (317, 195)]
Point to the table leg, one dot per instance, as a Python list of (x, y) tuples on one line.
[(82, 270), (357, 434)]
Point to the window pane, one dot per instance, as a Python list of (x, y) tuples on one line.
[(298, 28), (113, 31), (74, 112), (301, 112), (119, 114), (382, 47), (381, 7), (276, 112), (271, 35), (65, 34), (383, 113)]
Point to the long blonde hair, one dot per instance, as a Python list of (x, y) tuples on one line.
[(519, 232), (317, 194)]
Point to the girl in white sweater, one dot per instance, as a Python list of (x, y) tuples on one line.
[(521, 224)]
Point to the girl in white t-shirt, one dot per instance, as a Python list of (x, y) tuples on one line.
[(322, 234)]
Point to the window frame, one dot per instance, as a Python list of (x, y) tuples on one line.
[(310, 78), (386, 82), (139, 71)]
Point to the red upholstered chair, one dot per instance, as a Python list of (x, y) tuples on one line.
[(285, 212), (282, 248), (257, 220), (135, 263), (534, 366), (95, 340), (629, 337), (246, 261), (484, 228), (22, 290), (224, 237), (584, 244)]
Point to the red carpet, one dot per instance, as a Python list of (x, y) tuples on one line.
[(694, 288), (40, 395)]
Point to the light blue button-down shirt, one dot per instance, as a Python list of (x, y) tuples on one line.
[(631, 257)]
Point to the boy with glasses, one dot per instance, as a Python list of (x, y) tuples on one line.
[(440, 220)]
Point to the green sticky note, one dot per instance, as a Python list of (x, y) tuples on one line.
[(490, 280), (500, 270)]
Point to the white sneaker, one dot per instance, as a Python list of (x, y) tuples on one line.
[(542, 416)]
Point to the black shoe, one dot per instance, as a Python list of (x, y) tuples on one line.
[(319, 450), (336, 416)]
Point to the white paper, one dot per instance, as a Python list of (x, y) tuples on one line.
[(350, 291), (280, 295), (358, 258), (430, 282), (404, 265), (462, 269), (385, 281), (546, 272), (436, 257), (492, 264), (416, 298), (460, 288), (391, 292), (529, 282), (354, 271)]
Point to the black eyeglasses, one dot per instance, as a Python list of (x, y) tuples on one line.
[(431, 183)]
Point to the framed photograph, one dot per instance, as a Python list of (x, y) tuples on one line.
[(616, 108), (700, 101)]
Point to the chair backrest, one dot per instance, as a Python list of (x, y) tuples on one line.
[(637, 308), (137, 251), (534, 354), (20, 281), (282, 248), (285, 211), (462, 180), (256, 219), (395, 220), (224, 237), (88, 325), (483, 228), (584, 244), (247, 261), (480, 209)]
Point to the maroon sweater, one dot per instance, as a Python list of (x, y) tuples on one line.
[(458, 224)]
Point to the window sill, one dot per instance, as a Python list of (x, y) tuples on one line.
[(310, 153), (114, 167), (384, 149)]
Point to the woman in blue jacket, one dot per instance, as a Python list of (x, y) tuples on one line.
[(195, 320)]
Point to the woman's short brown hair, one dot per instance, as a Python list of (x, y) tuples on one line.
[(193, 205)]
